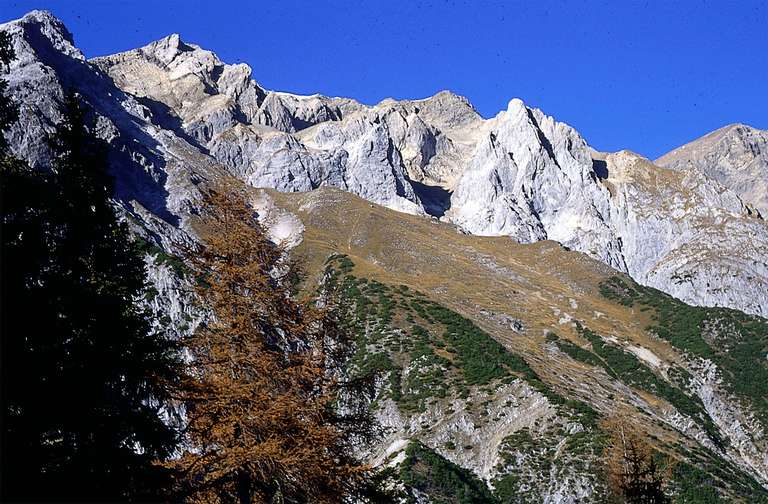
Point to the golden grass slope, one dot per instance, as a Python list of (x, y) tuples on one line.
[(491, 280)]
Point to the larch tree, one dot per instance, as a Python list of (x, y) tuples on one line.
[(264, 424), (634, 475)]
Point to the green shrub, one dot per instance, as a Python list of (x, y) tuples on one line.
[(442, 480), (741, 340)]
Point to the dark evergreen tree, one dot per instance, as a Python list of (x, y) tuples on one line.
[(83, 374), (635, 476), (8, 111)]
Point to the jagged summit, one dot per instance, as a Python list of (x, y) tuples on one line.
[(43, 30), (735, 130), (167, 48), (178, 113), (53, 26), (445, 109), (735, 155)]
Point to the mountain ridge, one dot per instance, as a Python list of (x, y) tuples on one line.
[(511, 235), (521, 173), (735, 155)]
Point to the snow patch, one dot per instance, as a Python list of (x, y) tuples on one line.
[(284, 228), (645, 355)]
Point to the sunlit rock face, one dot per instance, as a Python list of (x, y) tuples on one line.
[(735, 155), (177, 119), (176, 116)]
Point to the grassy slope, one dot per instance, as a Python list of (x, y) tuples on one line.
[(490, 281)]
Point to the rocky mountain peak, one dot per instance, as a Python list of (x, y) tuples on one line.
[(183, 59), (50, 25), (735, 156), (42, 31), (174, 59), (521, 174), (445, 110), (166, 49), (516, 106), (738, 129)]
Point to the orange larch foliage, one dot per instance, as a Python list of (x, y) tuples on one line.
[(634, 475), (259, 391)]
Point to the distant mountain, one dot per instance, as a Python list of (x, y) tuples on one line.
[(486, 262), (176, 115), (735, 155)]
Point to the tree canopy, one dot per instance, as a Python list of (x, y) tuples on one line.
[(261, 393), (84, 375)]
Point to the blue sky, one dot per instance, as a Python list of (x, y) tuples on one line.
[(646, 76)]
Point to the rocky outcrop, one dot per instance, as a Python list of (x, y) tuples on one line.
[(153, 167), (687, 235), (748, 444), (531, 178), (177, 116), (252, 131), (735, 155)]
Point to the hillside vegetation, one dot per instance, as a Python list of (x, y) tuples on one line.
[(449, 351)]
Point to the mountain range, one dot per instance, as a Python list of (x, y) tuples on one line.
[(511, 227)]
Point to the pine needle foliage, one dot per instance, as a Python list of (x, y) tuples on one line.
[(84, 375), (635, 475), (262, 388)]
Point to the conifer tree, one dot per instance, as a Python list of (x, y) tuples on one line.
[(8, 112), (262, 417), (634, 474), (84, 376)]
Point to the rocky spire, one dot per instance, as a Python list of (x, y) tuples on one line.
[(178, 113)]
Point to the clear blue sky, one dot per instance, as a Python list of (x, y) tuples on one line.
[(646, 76)]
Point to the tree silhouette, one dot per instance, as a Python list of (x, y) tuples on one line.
[(634, 474), (84, 376)]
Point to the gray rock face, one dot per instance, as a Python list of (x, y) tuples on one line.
[(533, 178), (685, 234), (177, 116), (252, 131), (736, 156), (515, 408), (153, 167)]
